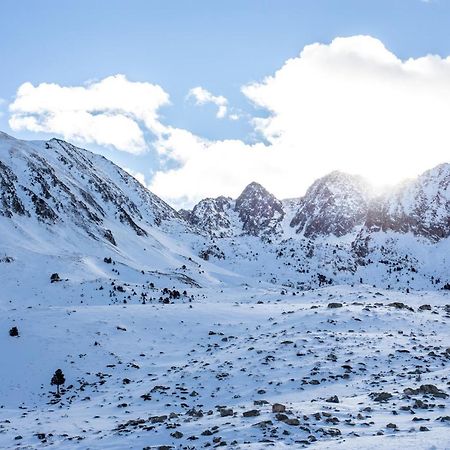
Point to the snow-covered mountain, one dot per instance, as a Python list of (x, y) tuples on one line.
[(256, 212), (334, 204), (259, 211), (213, 215), (55, 182), (420, 207), (64, 209), (58, 199), (339, 230), (337, 204)]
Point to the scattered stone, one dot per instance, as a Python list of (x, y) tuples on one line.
[(381, 397), (278, 408), (225, 412), (335, 305), (251, 413)]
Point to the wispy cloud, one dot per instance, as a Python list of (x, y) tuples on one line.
[(203, 97)]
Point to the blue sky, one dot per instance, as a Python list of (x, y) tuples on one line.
[(178, 45)]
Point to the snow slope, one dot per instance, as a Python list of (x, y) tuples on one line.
[(186, 374)]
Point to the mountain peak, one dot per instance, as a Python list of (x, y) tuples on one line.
[(259, 210), (252, 188), (334, 204)]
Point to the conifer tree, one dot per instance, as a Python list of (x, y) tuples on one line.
[(58, 379)]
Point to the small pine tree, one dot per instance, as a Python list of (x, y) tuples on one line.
[(58, 379)]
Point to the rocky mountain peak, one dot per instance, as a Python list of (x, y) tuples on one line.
[(211, 215), (259, 211), (420, 206), (60, 184), (334, 204)]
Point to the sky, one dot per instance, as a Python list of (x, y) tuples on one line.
[(198, 98)]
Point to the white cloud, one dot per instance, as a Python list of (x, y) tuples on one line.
[(113, 111), (202, 97), (351, 105)]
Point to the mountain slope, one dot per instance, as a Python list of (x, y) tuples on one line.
[(65, 208), (57, 199), (56, 182)]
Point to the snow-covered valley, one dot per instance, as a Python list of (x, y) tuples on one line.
[(207, 371)]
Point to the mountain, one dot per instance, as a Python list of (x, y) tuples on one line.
[(333, 205), (420, 207), (256, 212), (58, 199), (338, 232), (67, 208), (212, 215), (259, 211), (55, 183)]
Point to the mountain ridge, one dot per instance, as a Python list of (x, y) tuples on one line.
[(56, 196)]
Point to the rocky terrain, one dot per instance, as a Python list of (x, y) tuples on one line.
[(335, 367)]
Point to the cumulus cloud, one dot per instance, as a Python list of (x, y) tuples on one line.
[(203, 96), (350, 105), (113, 111)]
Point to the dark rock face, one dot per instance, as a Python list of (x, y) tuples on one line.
[(10, 202), (334, 204), (259, 211)]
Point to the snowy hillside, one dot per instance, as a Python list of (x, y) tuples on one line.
[(65, 210)]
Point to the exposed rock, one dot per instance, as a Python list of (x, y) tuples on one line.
[(334, 305), (278, 408), (251, 413)]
